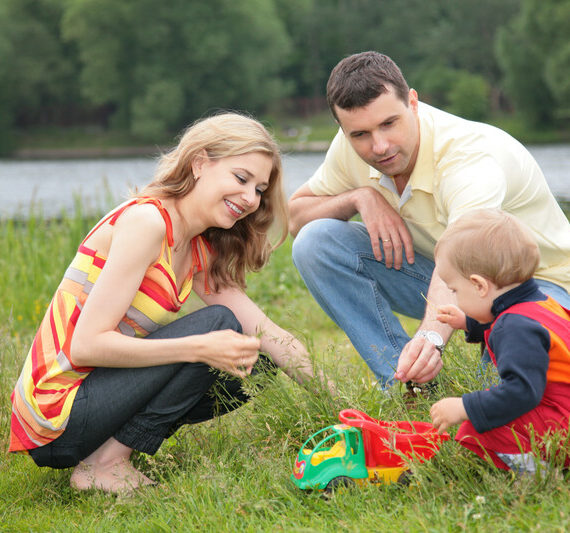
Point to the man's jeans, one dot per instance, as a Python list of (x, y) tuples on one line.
[(141, 407), (360, 294), (557, 292)]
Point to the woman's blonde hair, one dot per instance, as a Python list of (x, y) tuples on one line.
[(246, 246), (493, 244)]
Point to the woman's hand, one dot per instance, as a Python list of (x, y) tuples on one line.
[(447, 412), (231, 352), (452, 316), (285, 350)]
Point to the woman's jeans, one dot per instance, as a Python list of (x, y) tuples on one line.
[(360, 294), (140, 407)]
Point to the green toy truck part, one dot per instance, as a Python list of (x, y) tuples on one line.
[(361, 449)]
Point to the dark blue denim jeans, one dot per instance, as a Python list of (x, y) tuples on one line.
[(140, 407)]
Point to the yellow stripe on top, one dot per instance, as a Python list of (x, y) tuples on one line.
[(48, 383)]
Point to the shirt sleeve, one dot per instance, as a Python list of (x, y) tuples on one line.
[(342, 170), (475, 330), (470, 181), (521, 347)]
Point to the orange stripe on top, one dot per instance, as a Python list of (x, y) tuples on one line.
[(556, 320), (48, 383)]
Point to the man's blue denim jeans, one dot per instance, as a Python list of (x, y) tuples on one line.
[(141, 407), (557, 292), (360, 294)]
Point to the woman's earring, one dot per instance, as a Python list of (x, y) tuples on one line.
[(196, 178)]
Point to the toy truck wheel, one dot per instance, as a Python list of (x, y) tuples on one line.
[(405, 478), (339, 482)]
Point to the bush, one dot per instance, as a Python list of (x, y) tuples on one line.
[(469, 96), (456, 91)]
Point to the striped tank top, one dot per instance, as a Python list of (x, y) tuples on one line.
[(48, 383)]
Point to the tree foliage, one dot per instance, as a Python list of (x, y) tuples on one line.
[(534, 51), (178, 59), (151, 67), (36, 68)]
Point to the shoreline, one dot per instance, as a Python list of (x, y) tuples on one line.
[(138, 151)]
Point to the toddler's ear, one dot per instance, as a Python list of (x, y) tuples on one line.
[(481, 284)]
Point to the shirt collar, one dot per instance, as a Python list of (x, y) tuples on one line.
[(525, 292), (422, 176)]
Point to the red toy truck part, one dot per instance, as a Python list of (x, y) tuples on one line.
[(390, 444)]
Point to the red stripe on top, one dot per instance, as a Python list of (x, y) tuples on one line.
[(168, 277), (48, 384), (159, 299), (86, 251)]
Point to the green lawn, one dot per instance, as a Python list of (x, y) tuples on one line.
[(232, 474)]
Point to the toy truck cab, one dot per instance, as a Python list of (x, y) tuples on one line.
[(363, 449), (337, 456)]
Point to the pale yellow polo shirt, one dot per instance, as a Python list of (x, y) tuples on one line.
[(461, 165)]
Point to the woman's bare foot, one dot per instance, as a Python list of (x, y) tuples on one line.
[(119, 477), (108, 468)]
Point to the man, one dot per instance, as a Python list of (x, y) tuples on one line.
[(408, 170)]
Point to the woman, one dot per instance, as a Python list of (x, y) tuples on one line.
[(111, 369)]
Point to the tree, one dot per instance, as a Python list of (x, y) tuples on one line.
[(469, 96), (162, 64), (37, 71), (426, 39), (534, 52)]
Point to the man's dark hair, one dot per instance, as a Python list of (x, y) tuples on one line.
[(360, 78)]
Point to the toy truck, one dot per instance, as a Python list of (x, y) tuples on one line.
[(361, 449)]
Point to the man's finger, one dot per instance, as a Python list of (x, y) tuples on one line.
[(408, 357), (430, 368), (398, 253), (408, 245), (376, 250), (388, 252)]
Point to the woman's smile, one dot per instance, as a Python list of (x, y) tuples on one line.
[(234, 209)]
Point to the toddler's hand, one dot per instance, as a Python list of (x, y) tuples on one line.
[(452, 316), (447, 412)]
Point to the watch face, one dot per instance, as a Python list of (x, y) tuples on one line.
[(435, 338)]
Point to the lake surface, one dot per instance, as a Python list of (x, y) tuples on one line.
[(55, 184)]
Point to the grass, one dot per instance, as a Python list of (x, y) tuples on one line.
[(519, 129), (232, 474), (78, 137)]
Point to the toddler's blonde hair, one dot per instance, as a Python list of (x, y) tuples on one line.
[(491, 243)]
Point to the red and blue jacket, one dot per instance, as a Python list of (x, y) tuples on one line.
[(529, 341)]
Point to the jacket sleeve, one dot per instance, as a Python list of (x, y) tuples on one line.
[(521, 346), (475, 331)]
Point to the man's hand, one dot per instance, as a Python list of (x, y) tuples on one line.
[(447, 412), (382, 222), (420, 361), (384, 225)]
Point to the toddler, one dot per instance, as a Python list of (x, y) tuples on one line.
[(487, 258)]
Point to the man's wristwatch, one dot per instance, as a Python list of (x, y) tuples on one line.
[(433, 336)]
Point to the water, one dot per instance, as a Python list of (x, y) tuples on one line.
[(55, 184)]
